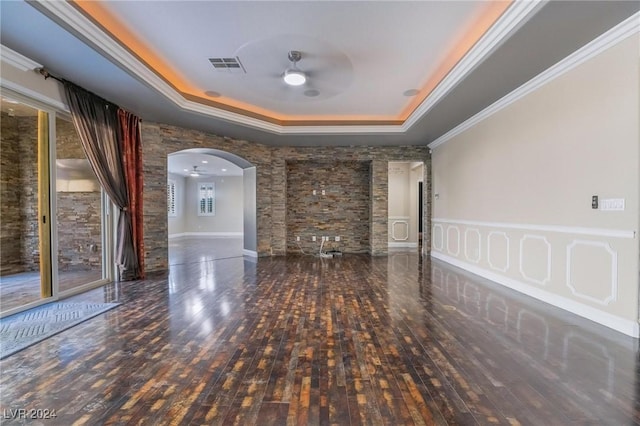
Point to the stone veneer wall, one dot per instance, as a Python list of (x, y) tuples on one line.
[(342, 211), (28, 140), (11, 222), (78, 213), (160, 140)]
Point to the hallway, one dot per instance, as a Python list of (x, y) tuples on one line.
[(392, 340)]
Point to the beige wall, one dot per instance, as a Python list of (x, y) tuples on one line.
[(403, 203), (514, 191), (228, 206)]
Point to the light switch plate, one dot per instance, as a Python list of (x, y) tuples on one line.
[(612, 204)]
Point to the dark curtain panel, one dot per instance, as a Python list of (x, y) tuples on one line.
[(96, 122), (129, 126)]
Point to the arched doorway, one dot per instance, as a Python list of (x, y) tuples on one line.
[(211, 208)]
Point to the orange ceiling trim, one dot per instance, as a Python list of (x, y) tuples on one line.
[(464, 43), (104, 19), (101, 17)]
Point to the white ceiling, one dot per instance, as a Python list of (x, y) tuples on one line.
[(151, 57), (207, 165)]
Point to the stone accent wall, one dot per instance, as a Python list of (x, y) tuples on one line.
[(10, 198), (78, 213), (379, 187), (342, 211), (160, 140), (28, 148), (79, 231)]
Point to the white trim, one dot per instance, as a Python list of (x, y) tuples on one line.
[(615, 35), (399, 217), (596, 232), (613, 295), (511, 19), (208, 234), (466, 245), (435, 246), (393, 244), (518, 13), (250, 253), (547, 278), (449, 228), (32, 98), (17, 60), (393, 230), (171, 193), (628, 327), (508, 258)]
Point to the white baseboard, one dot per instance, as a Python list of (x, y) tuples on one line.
[(208, 234), (628, 327), (250, 253), (408, 245)]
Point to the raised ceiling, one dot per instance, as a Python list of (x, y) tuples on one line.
[(378, 72)]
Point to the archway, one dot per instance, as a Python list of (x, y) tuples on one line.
[(212, 193)]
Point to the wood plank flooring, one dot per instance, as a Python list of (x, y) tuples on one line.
[(298, 340)]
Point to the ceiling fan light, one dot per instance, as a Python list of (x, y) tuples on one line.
[(294, 77), (194, 174)]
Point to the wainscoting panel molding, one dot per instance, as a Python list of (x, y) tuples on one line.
[(576, 269), (580, 289), (472, 252), (527, 257), (496, 262), (453, 241)]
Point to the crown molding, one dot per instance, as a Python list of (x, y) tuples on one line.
[(71, 18), (17, 60), (620, 32), (514, 17)]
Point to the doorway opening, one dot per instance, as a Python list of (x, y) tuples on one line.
[(210, 206), (405, 210), (55, 226)]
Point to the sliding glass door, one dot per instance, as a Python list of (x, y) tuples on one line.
[(79, 213), (54, 219), (25, 237)]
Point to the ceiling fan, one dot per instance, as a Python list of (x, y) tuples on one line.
[(197, 172), (294, 68)]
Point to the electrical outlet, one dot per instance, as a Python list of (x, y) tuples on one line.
[(313, 238), (314, 192), (297, 238), (323, 193), (337, 238), (325, 238)]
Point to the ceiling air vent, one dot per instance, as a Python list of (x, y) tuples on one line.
[(231, 65)]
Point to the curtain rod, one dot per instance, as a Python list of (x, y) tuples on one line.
[(46, 74)]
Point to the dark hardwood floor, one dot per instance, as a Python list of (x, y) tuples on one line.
[(299, 340)]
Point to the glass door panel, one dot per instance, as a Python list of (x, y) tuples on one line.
[(79, 219), (25, 268)]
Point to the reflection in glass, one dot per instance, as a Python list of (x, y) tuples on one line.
[(78, 212), (20, 257)]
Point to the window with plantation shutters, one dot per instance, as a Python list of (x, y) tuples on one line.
[(171, 198), (206, 199)]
